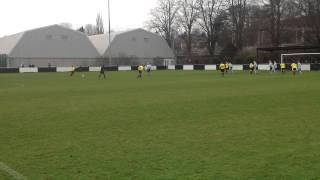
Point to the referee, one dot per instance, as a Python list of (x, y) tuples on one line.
[(102, 72)]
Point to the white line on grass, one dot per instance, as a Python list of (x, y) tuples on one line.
[(11, 171)]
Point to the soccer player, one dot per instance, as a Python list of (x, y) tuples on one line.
[(230, 67), (226, 67), (102, 72), (140, 70), (270, 66), (283, 67), (294, 68), (251, 67), (299, 67), (275, 66), (222, 68), (149, 67), (73, 70), (255, 67)]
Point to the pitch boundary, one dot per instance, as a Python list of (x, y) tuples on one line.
[(16, 175)]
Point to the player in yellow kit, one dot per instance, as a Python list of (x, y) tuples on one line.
[(222, 68), (283, 67), (140, 70), (226, 67), (294, 68)]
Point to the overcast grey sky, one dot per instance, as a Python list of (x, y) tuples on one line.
[(20, 15)]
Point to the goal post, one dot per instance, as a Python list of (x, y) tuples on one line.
[(297, 54)]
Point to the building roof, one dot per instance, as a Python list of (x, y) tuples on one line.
[(101, 41), (7, 43), (59, 42), (139, 43), (53, 41)]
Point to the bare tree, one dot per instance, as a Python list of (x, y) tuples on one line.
[(238, 11), (314, 13), (164, 19), (99, 24), (275, 7), (210, 12), (90, 29), (311, 10), (188, 17), (275, 14), (254, 24), (81, 29)]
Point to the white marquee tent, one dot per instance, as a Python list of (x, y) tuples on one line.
[(54, 45), (59, 46), (133, 47)]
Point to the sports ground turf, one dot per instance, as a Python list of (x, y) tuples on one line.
[(171, 125)]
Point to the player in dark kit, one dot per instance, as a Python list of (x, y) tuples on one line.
[(102, 72), (73, 70)]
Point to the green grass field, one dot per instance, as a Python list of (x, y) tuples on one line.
[(171, 125)]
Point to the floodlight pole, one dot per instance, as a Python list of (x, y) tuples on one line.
[(110, 57)]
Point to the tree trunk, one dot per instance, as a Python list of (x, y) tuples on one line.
[(278, 23), (189, 46), (211, 45), (273, 23)]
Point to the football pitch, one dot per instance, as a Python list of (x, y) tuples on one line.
[(170, 125)]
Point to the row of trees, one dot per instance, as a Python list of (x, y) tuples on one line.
[(91, 29), (236, 21)]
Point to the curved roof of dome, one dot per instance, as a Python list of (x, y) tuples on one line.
[(48, 42), (139, 43)]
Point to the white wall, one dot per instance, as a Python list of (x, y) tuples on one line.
[(171, 67), (94, 69), (188, 67), (237, 67), (263, 67), (64, 69), (306, 67), (28, 70), (124, 68)]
